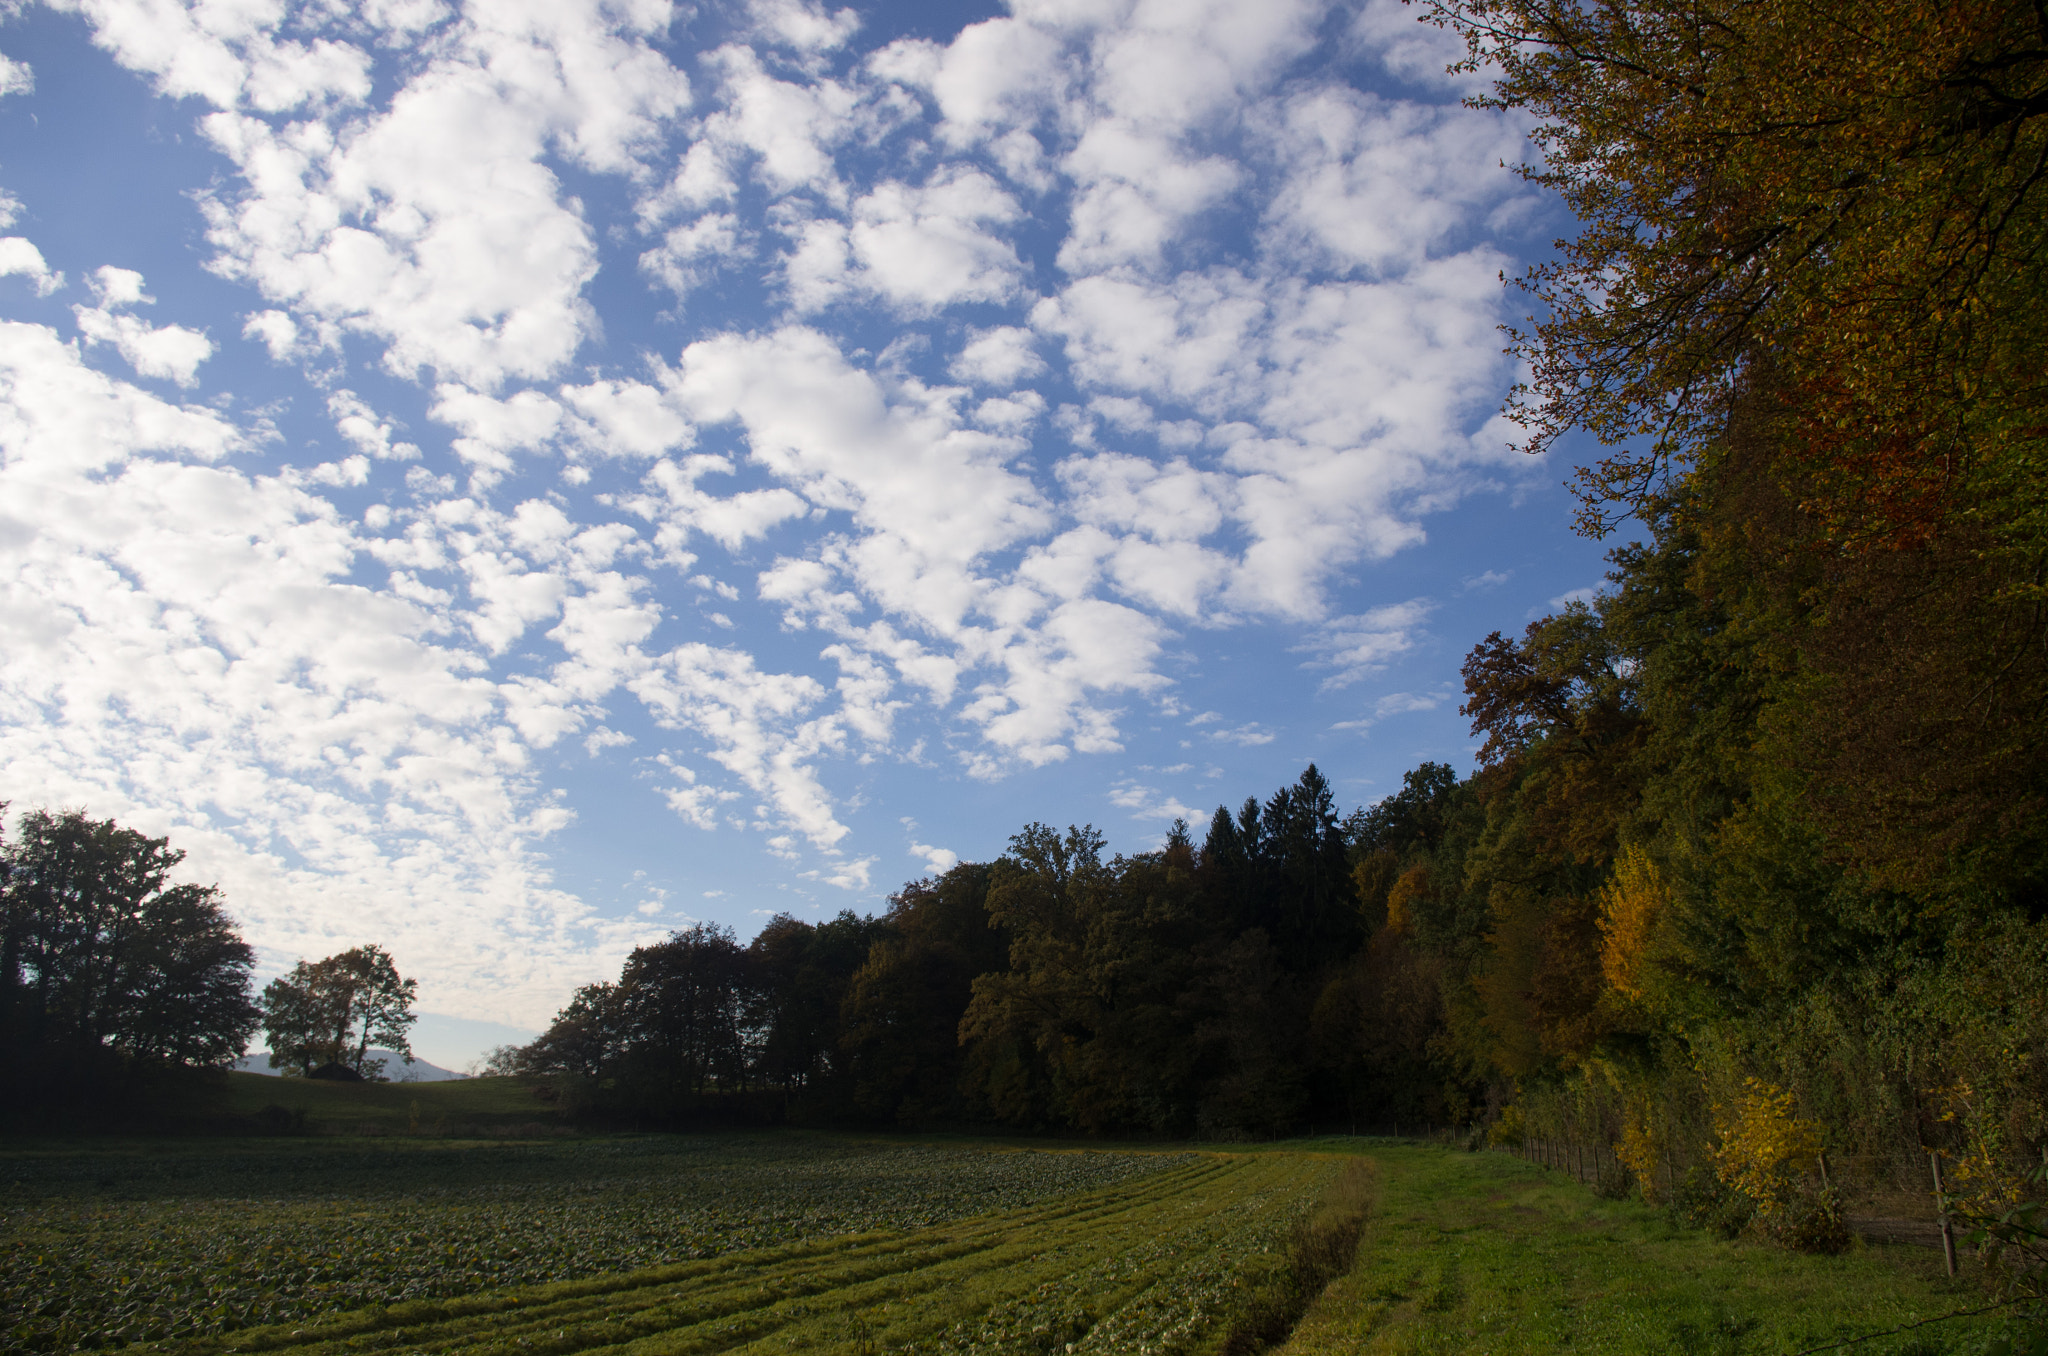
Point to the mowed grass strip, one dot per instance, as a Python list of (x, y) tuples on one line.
[(1085, 1257), (1486, 1255)]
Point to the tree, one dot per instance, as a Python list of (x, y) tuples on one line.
[(1844, 195), (584, 1038), (332, 1011), (102, 952), (900, 1017), (684, 1003)]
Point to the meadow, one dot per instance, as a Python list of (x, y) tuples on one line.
[(673, 1245)]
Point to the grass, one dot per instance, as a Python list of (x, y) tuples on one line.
[(1486, 1255), (465, 1106)]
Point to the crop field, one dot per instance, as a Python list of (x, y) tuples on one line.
[(792, 1242), (172, 1241)]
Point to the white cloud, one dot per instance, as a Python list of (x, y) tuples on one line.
[(788, 127), (827, 430), (918, 249), (1406, 45), (275, 330), (1012, 414), (1145, 802), (1159, 514), (20, 258), (228, 55), (1000, 356), (435, 225), (925, 248), (491, 429), (167, 352), (15, 77), (804, 25), (991, 74), (1378, 184), (1360, 646), (368, 433), (1164, 75), (756, 724), (679, 506), (689, 253), (937, 860), (627, 419), (852, 875)]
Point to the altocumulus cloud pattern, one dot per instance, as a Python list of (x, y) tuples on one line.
[(790, 419)]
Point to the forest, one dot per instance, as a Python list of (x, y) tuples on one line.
[(1753, 867)]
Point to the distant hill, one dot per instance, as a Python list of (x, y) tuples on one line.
[(395, 1069)]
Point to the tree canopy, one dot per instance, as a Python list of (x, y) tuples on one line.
[(1840, 201), (107, 967), (334, 1011)]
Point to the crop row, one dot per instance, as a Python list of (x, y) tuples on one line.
[(1152, 1265), (101, 1252)]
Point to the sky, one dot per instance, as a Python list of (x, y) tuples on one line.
[(507, 481)]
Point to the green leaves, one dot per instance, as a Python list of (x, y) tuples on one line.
[(200, 1243)]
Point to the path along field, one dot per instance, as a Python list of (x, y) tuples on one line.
[(796, 1242)]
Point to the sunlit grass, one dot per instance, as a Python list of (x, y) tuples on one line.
[(1486, 1255), (456, 1106)]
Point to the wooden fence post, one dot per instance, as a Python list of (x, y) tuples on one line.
[(1948, 1234)]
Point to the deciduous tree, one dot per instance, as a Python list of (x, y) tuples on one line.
[(103, 952), (335, 1010)]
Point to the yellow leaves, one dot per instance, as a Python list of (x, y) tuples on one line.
[(1978, 1174), (1764, 1142), (1631, 903), (1640, 1148), (1413, 885)]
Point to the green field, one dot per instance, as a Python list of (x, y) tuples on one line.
[(1488, 1255), (809, 1242), (463, 1106)]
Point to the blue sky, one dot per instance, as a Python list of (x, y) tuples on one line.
[(507, 481)]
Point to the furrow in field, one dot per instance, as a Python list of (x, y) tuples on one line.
[(746, 1281), (671, 1300), (1194, 1266), (901, 1308), (562, 1302), (679, 1323), (909, 1314)]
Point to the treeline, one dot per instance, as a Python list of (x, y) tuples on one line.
[(1174, 992)]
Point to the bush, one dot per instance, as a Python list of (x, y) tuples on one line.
[(1704, 1201), (1811, 1221)]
